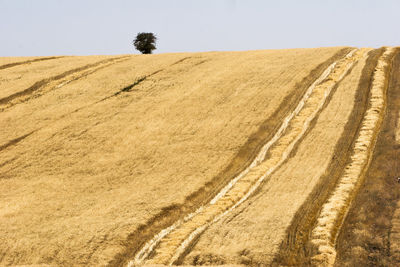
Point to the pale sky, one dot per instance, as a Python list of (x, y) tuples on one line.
[(89, 27)]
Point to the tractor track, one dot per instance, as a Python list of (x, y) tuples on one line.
[(168, 246), (15, 141), (170, 214), (335, 209), (394, 236), (41, 87), (295, 249), (126, 89), (9, 65), (369, 235)]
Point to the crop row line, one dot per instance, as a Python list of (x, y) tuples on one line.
[(171, 243), (335, 209)]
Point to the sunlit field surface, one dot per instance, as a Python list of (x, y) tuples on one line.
[(269, 157)]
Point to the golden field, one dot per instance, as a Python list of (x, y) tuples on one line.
[(222, 158)]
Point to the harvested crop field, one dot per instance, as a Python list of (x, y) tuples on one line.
[(256, 158)]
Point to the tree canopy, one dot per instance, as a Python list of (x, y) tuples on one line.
[(145, 42)]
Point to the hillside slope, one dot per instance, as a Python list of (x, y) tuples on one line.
[(266, 216), (188, 158), (85, 162)]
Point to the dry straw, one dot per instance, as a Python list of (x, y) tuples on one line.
[(56, 82), (171, 243), (334, 210)]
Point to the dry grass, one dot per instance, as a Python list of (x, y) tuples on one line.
[(295, 249), (241, 160), (6, 63), (21, 77), (394, 235), (335, 209), (398, 130), (99, 164), (55, 82), (53, 104), (368, 223), (12, 60), (253, 233), (176, 239)]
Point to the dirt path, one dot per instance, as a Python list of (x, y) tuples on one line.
[(365, 237), (171, 243)]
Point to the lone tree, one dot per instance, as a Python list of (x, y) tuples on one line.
[(145, 42)]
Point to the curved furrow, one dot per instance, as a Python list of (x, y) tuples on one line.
[(335, 209), (15, 141), (9, 65), (172, 242), (55, 82)]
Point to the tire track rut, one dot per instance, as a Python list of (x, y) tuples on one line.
[(366, 236), (334, 211), (43, 86), (126, 89), (295, 250), (171, 243), (15, 141), (395, 235), (9, 65), (245, 155)]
